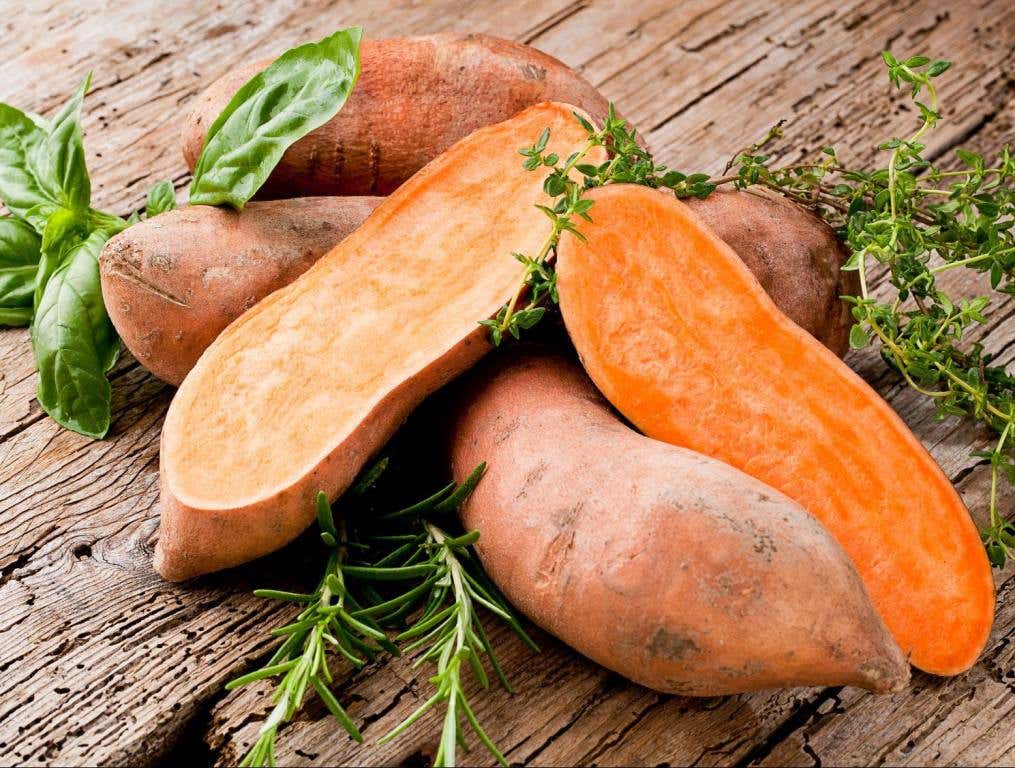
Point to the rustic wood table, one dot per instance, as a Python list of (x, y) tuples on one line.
[(102, 662)]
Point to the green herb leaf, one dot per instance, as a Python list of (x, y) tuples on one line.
[(161, 198), (73, 340), (300, 91), (19, 261)]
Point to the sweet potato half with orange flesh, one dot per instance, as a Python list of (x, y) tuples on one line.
[(298, 393), (681, 338), (671, 568), (173, 283), (416, 96)]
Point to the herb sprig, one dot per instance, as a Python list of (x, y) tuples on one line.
[(912, 217), (383, 569)]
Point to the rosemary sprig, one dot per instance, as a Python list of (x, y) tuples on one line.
[(381, 569), (326, 624), (913, 218), (448, 625)]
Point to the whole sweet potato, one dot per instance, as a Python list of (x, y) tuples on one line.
[(415, 97), (673, 569), (795, 256), (171, 284)]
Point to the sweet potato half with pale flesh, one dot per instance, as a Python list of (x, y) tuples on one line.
[(302, 389), (681, 338), (415, 97), (671, 568), (172, 283)]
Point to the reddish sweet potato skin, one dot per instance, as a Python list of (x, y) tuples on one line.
[(675, 570), (793, 253), (172, 283), (415, 98)]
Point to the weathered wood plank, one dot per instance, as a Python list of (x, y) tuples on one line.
[(104, 662)]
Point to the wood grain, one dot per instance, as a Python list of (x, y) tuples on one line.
[(104, 663)]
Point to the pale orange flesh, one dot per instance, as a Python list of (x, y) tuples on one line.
[(681, 338), (297, 394)]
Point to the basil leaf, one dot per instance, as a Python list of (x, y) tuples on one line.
[(300, 91), (19, 261), (63, 229), (22, 189), (42, 165), (73, 339), (61, 158), (16, 318), (161, 198)]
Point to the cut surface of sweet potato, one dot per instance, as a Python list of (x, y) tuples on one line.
[(684, 342), (297, 394)]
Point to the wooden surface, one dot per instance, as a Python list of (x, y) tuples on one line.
[(101, 662)]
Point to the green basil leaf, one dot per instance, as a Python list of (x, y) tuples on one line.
[(22, 189), (61, 157), (19, 261), (161, 198), (64, 229), (16, 318), (42, 165), (74, 341), (300, 91)]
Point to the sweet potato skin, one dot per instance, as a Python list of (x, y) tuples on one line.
[(298, 393), (172, 283), (415, 97), (673, 569), (793, 253), (682, 340)]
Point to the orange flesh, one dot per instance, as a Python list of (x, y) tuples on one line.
[(284, 385), (681, 338)]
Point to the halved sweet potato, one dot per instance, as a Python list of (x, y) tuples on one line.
[(298, 393), (671, 568), (172, 283), (681, 338), (415, 97)]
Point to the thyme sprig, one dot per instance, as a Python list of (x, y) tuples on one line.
[(628, 162), (913, 218), (383, 569)]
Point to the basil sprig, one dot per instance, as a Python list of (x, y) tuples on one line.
[(53, 282), (300, 91)]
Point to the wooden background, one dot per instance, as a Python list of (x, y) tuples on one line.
[(101, 662)]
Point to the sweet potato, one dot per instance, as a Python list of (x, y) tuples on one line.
[(671, 568), (681, 338), (415, 97), (794, 255), (297, 394), (172, 283)]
